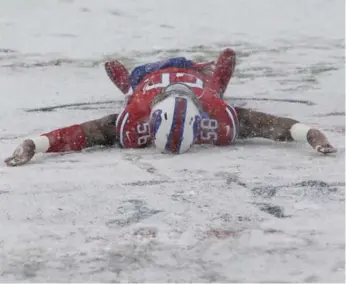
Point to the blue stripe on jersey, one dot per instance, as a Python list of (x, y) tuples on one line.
[(139, 72), (235, 117), (120, 126), (234, 120), (178, 116)]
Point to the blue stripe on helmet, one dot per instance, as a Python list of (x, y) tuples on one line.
[(156, 120), (182, 126), (175, 117)]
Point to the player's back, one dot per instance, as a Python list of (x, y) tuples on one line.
[(133, 128), (132, 125), (153, 84)]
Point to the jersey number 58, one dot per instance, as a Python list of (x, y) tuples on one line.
[(209, 129)]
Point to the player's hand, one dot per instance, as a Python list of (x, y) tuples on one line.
[(319, 142), (326, 149), (23, 154), (118, 74)]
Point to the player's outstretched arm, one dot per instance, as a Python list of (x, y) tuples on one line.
[(72, 138), (258, 124)]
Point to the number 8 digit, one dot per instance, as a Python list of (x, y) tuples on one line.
[(209, 124), (209, 129)]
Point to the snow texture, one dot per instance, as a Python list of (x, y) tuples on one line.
[(258, 211)]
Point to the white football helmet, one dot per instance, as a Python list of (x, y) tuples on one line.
[(175, 119)]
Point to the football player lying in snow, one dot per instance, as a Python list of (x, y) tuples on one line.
[(172, 105)]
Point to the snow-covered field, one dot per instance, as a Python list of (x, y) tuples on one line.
[(257, 211)]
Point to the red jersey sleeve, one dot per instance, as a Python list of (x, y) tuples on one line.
[(132, 128), (229, 130), (71, 138), (222, 125), (224, 69)]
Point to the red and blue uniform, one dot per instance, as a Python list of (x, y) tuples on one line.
[(219, 124)]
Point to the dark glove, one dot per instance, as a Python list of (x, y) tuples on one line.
[(23, 154)]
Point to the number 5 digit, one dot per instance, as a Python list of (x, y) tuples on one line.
[(143, 131), (143, 128)]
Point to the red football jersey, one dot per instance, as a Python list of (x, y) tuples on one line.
[(132, 126)]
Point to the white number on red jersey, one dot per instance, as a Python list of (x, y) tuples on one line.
[(164, 79), (143, 132), (209, 129)]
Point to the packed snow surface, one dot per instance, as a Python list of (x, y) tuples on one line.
[(258, 211)]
